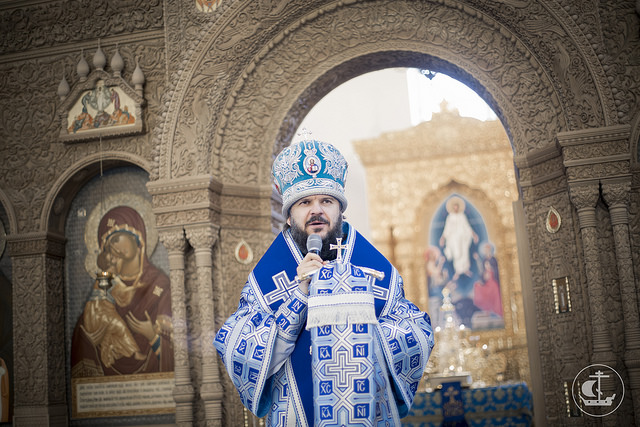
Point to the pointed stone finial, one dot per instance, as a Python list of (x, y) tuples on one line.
[(99, 58), (63, 87), (138, 78), (117, 63), (83, 67)]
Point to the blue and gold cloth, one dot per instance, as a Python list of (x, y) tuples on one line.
[(266, 345)]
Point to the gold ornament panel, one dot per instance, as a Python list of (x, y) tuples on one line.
[(475, 162)]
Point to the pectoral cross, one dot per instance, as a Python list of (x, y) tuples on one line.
[(339, 247)]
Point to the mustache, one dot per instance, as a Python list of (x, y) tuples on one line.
[(316, 219)]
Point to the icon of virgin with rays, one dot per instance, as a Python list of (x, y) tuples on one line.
[(126, 329)]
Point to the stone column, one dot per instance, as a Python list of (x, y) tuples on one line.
[(616, 195), (584, 197), (192, 204), (202, 238), (38, 314), (175, 242), (593, 156)]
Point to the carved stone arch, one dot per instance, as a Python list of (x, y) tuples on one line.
[(273, 118), (59, 198), (256, 106), (9, 210)]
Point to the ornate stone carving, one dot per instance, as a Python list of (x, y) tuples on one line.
[(33, 132), (36, 243), (175, 242), (38, 305), (611, 169), (598, 152), (617, 193), (584, 196), (182, 199), (556, 54), (194, 216), (192, 200), (634, 228), (202, 238), (229, 278), (40, 25), (195, 331), (29, 317), (473, 15), (55, 329)]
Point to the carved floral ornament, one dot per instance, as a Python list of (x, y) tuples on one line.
[(101, 104)]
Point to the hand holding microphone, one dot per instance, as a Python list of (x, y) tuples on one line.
[(311, 262), (314, 244)]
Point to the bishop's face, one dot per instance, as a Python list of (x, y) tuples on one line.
[(315, 215), (321, 215)]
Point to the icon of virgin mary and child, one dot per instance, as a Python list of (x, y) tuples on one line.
[(127, 328)]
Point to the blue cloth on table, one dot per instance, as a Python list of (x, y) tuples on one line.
[(509, 404)]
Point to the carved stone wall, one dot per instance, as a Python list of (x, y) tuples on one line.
[(230, 277), (524, 71), (634, 224), (30, 128), (226, 90), (38, 306)]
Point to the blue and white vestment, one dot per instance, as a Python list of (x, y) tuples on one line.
[(267, 349)]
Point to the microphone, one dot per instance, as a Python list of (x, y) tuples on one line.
[(314, 244)]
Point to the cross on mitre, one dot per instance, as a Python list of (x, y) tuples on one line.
[(339, 247), (305, 134)]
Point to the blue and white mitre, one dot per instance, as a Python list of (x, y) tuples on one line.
[(309, 168)]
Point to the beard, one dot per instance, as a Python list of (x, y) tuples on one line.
[(300, 236)]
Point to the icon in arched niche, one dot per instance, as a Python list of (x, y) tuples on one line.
[(126, 329), (461, 257)]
